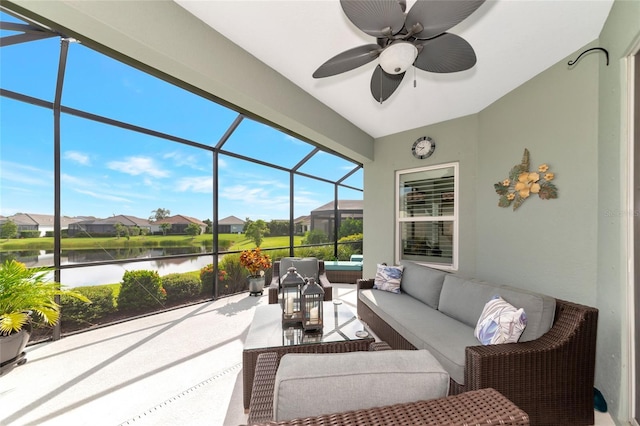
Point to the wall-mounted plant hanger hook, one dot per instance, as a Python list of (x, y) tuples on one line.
[(571, 63)]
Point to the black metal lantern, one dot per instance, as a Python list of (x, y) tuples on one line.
[(291, 284), (312, 298)]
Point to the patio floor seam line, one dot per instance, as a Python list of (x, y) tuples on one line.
[(185, 392)]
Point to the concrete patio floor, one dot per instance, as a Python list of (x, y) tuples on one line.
[(182, 367)]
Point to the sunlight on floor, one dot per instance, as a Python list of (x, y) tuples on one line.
[(182, 367)]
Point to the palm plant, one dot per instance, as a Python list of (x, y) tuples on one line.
[(26, 291)]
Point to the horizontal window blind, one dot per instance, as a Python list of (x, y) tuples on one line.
[(427, 215)]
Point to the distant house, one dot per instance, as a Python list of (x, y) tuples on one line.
[(179, 224), (231, 225), (322, 218), (42, 223), (102, 227), (302, 224)]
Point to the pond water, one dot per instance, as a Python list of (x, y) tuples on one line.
[(109, 274)]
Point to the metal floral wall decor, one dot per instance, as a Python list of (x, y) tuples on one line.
[(521, 183)]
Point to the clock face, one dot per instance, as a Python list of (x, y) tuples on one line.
[(423, 147)]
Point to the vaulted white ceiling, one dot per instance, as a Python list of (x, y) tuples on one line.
[(514, 40)]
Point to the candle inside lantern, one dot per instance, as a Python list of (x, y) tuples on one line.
[(313, 315), (289, 307)]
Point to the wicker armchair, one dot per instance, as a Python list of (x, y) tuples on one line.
[(481, 407), (550, 378), (274, 287)]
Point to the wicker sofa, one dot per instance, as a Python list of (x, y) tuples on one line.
[(307, 267), (550, 377), (481, 407)]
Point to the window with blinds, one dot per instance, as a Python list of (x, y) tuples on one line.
[(427, 215)]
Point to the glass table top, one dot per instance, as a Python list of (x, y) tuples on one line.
[(339, 325)]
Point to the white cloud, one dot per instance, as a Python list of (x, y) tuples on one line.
[(25, 174), (72, 180), (295, 140), (202, 184), (77, 157), (100, 196), (244, 193), (138, 166), (101, 189), (193, 161), (274, 184)]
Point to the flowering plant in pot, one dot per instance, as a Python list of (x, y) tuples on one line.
[(255, 262), (26, 293)]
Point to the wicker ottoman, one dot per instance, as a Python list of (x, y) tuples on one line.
[(480, 407)]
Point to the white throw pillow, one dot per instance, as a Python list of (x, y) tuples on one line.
[(388, 278), (500, 322)]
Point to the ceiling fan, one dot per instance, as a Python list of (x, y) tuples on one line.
[(417, 38)]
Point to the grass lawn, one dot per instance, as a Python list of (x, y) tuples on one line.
[(236, 241), (268, 242)]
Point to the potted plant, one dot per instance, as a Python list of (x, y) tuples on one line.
[(24, 293), (255, 262)]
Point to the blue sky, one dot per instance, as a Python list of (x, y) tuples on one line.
[(109, 171)]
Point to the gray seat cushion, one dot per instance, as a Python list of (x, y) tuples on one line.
[(425, 328), (422, 282), (314, 384), (305, 266), (464, 300)]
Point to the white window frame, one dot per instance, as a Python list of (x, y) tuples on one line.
[(453, 266)]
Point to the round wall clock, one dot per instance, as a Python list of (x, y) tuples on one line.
[(423, 147)]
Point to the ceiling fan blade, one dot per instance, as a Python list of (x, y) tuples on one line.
[(445, 53), (437, 16), (348, 60), (374, 17), (383, 85)]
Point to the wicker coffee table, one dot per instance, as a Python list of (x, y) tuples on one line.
[(266, 334)]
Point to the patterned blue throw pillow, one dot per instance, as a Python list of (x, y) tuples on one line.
[(388, 278), (500, 322)]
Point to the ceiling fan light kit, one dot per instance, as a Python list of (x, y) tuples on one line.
[(398, 57), (417, 38)]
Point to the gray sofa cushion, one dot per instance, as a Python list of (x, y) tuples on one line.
[(422, 282), (540, 304), (424, 327), (464, 299), (315, 384), (307, 266)]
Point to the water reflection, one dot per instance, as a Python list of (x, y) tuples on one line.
[(109, 274)]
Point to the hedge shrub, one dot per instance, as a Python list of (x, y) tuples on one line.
[(353, 245), (181, 286), (30, 234), (324, 252), (236, 275), (207, 279), (76, 313), (141, 290)]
